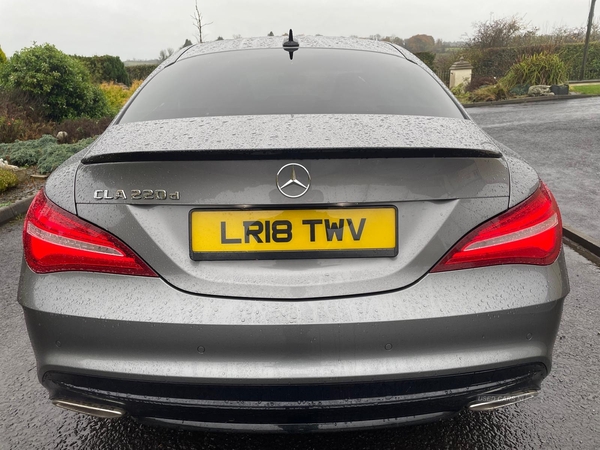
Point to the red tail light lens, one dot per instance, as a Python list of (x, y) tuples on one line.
[(529, 233), (55, 240)]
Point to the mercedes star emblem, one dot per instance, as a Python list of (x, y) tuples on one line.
[(293, 180)]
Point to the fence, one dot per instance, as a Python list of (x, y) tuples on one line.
[(444, 75)]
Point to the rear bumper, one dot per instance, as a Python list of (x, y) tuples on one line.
[(168, 356), (312, 407)]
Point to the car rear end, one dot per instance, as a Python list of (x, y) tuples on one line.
[(240, 254)]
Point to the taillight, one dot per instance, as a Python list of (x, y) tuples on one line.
[(55, 240), (529, 233)]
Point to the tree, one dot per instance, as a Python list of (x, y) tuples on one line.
[(440, 46), (198, 23), (165, 53), (270, 34), (220, 38), (394, 40), (420, 43), (60, 82), (187, 43), (504, 32), (105, 68), (2, 56)]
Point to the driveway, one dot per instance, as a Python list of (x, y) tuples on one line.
[(561, 140)]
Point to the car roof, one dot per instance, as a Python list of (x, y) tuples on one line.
[(273, 42)]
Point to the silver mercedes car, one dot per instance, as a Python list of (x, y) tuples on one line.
[(281, 234)]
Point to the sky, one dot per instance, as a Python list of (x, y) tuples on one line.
[(139, 29)]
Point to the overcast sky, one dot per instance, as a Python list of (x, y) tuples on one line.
[(141, 28)]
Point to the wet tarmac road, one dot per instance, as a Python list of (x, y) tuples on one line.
[(561, 140), (566, 415)]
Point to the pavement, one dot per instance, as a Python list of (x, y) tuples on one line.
[(8, 213), (518, 101)]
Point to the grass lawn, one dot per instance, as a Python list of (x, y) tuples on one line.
[(588, 89)]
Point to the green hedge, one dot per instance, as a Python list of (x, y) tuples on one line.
[(572, 55), (140, 72), (497, 62), (105, 69)]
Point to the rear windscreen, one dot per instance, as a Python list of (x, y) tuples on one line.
[(267, 81)]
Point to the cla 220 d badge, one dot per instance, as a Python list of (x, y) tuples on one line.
[(293, 180), (136, 194)]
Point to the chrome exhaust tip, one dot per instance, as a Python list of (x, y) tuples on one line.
[(491, 401), (103, 411)]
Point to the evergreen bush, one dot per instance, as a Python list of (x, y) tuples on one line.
[(141, 71), (8, 179), (45, 153), (55, 155), (572, 55), (105, 69), (61, 82), (428, 58), (26, 153)]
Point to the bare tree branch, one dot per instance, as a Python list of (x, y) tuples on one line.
[(197, 22), (164, 54)]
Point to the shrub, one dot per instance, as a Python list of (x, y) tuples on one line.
[(45, 153), (82, 128), (26, 153), (498, 61), (520, 89), (461, 94), (428, 58), (477, 82), (61, 82), (488, 94), (541, 68), (141, 71), (8, 179), (117, 95), (572, 55), (105, 69), (55, 155), (21, 117), (10, 129)]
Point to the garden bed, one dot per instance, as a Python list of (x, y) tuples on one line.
[(25, 189)]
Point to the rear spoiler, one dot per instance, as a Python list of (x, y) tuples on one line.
[(286, 154)]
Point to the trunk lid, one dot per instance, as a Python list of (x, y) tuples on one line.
[(141, 181)]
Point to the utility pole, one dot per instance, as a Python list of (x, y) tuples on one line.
[(587, 39)]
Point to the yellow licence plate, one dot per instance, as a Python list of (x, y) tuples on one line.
[(293, 233)]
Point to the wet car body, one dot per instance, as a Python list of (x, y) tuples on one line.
[(249, 330)]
